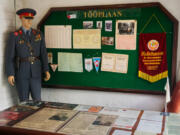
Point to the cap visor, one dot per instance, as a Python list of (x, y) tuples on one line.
[(26, 17)]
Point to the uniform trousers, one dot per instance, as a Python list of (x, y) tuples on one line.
[(29, 86)]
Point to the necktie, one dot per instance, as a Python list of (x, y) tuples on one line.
[(27, 33)]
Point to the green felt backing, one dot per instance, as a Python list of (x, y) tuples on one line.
[(108, 79)]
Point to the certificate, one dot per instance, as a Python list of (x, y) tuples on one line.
[(114, 62), (87, 39)]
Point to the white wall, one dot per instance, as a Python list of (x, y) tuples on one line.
[(139, 101), (8, 95)]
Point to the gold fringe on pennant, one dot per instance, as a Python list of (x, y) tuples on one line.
[(154, 78)]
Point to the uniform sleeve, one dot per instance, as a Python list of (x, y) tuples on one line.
[(43, 55), (10, 56)]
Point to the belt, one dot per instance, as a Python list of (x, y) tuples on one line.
[(31, 59)]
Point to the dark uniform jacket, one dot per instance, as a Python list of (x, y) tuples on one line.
[(17, 49)]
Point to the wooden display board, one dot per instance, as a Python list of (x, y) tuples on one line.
[(150, 17)]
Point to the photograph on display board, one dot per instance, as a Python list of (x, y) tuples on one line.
[(126, 28), (107, 40), (108, 25), (88, 24), (99, 24)]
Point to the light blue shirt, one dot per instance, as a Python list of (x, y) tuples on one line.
[(27, 30)]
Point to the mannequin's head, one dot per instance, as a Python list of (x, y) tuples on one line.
[(26, 23), (26, 15)]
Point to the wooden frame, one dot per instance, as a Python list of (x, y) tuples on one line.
[(137, 5)]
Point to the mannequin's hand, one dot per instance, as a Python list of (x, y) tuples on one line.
[(11, 80), (47, 76)]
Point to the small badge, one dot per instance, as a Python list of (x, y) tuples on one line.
[(50, 57), (38, 37), (16, 33)]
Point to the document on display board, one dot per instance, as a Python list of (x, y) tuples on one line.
[(87, 38), (126, 31), (114, 62), (70, 62), (58, 36)]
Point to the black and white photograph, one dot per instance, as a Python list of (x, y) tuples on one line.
[(99, 24), (126, 28), (108, 25), (87, 24)]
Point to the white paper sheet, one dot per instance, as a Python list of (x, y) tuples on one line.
[(123, 122), (152, 115), (172, 126), (121, 132), (143, 133), (120, 112), (149, 126), (58, 36), (82, 107)]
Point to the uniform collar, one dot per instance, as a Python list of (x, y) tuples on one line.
[(24, 30)]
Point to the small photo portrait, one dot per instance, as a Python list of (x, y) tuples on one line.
[(104, 120), (87, 24), (99, 24), (50, 58), (126, 28), (108, 25), (107, 40), (59, 117)]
